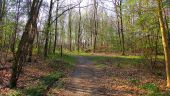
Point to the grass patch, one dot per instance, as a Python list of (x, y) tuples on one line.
[(64, 63), (14, 93), (100, 66), (128, 60), (51, 78), (134, 81), (76, 53), (125, 61), (66, 58), (99, 58), (44, 82), (120, 61), (37, 90), (152, 89), (41, 84)]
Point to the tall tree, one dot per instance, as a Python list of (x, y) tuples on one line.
[(25, 43), (121, 29), (48, 29), (70, 29), (116, 4), (56, 27), (79, 31), (165, 41), (16, 26), (2, 14), (95, 26)]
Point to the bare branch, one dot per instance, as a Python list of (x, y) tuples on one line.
[(65, 11)]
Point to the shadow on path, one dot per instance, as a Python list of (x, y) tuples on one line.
[(82, 81)]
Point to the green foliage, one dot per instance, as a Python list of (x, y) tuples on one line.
[(39, 88), (14, 93), (121, 61), (166, 3), (44, 82), (158, 94), (97, 58), (51, 78), (150, 87), (101, 66), (69, 58), (35, 90), (131, 1), (61, 65), (76, 53), (134, 81)]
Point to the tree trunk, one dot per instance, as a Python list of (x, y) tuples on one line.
[(48, 29), (16, 27), (95, 26), (56, 28), (2, 13), (118, 23), (79, 31), (24, 44), (1, 16), (166, 46), (121, 29), (70, 31), (34, 30)]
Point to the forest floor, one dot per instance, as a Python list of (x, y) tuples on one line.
[(86, 75), (103, 75), (36, 77)]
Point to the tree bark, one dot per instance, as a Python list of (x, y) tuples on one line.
[(79, 30), (166, 46), (70, 31), (121, 29), (2, 13), (118, 22), (23, 48), (16, 27), (95, 26), (56, 27), (48, 29)]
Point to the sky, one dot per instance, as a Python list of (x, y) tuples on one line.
[(107, 5), (86, 2)]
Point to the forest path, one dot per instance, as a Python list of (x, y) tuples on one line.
[(84, 80)]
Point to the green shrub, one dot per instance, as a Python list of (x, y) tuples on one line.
[(134, 81), (14, 93), (153, 90), (151, 87), (40, 88), (51, 77), (35, 90)]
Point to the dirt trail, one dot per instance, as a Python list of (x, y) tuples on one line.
[(88, 79), (83, 81)]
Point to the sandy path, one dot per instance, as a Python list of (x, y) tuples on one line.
[(83, 80)]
